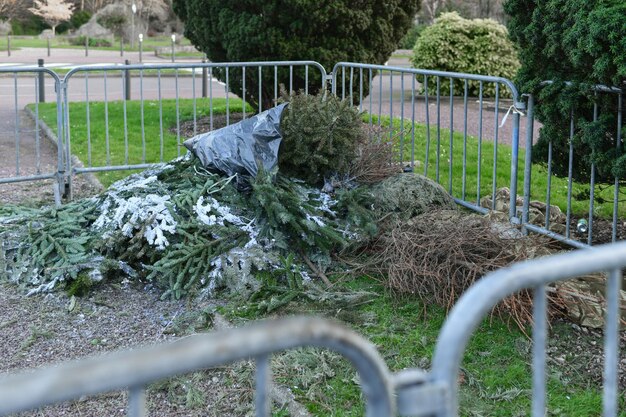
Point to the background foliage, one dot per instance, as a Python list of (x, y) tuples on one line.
[(478, 46), (408, 41), (278, 30), (582, 42)]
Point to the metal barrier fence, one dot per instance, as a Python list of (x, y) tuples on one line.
[(159, 91), (586, 229), (478, 300), (407, 95), (411, 392), (452, 127), (24, 138)]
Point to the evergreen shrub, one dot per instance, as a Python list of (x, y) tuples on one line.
[(476, 46), (582, 43), (93, 42), (275, 30), (321, 134), (409, 40)]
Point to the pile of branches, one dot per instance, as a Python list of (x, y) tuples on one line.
[(439, 255), (183, 228)]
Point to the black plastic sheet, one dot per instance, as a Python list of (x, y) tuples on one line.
[(241, 148)]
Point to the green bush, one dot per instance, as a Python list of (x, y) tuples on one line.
[(93, 42), (409, 40), (582, 42), (320, 137), (477, 46), (78, 19), (276, 30), (113, 21), (32, 25)]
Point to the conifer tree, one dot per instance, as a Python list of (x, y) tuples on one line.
[(279, 30)]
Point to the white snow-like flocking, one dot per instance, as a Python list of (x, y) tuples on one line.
[(131, 214)]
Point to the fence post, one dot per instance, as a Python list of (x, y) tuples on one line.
[(42, 86), (173, 50), (514, 154), (126, 81), (48, 38), (122, 46), (204, 79), (141, 48), (86, 45), (9, 45), (530, 114)]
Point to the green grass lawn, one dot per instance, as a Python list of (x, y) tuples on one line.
[(149, 43), (496, 368), (93, 148), (464, 185)]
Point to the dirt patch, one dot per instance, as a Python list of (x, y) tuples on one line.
[(203, 124), (602, 230), (40, 330), (575, 355)]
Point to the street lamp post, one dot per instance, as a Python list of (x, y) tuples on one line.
[(141, 47), (173, 41), (132, 25)]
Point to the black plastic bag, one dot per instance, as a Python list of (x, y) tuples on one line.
[(241, 148)]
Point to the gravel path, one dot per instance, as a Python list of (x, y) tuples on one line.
[(46, 329)]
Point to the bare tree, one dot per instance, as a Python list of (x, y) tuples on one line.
[(431, 8), (53, 11), (11, 9), (150, 9), (94, 5)]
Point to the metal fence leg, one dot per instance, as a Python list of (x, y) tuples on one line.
[(514, 154), (530, 114)]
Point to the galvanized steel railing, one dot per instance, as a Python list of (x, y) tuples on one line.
[(404, 94), (28, 141), (196, 79), (411, 392), (349, 79), (133, 370), (479, 299), (528, 173)]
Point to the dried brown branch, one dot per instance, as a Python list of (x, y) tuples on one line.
[(375, 159), (436, 257)]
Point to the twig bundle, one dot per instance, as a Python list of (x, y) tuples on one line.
[(375, 159), (437, 256)]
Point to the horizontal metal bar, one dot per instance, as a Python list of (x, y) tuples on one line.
[(79, 170), (556, 236), (137, 367), (12, 180), (91, 68), (444, 74), (13, 70), (471, 206)]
